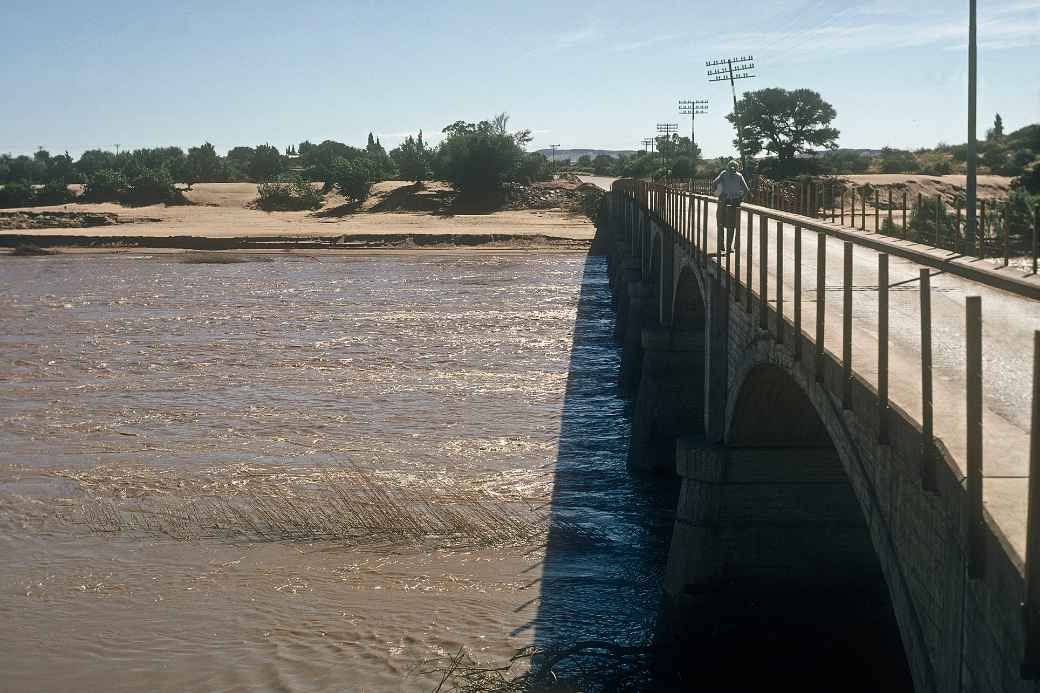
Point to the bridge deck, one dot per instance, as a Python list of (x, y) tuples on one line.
[(1009, 322)]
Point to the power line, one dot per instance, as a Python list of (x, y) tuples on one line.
[(733, 69)]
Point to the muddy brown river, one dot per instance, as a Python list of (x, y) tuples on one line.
[(311, 473)]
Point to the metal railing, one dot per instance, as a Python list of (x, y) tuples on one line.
[(685, 214), (1006, 229)]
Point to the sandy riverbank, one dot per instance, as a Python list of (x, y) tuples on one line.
[(397, 213)]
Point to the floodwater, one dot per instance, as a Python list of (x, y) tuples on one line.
[(311, 473)]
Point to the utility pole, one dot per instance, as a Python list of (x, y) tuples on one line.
[(117, 149), (648, 142), (554, 148), (693, 108), (971, 230), (720, 71), (665, 130)]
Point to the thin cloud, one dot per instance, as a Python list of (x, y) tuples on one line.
[(1009, 26)]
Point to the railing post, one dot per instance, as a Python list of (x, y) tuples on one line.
[(736, 259), (704, 223), (846, 330), (750, 260), (798, 292), (821, 300), (779, 282), (976, 526), (877, 211), (763, 275), (929, 460), (1031, 608), (863, 212), (843, 207), (882, 358), (1036, 236)]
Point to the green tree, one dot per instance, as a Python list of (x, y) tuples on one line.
[(412, 159), (478, 158), (106, 185), (897, 161), (786, 123), (267, 162), (202, 165), (353, 178), (151, 186), (997, 131), (603, 165), (94, 160)]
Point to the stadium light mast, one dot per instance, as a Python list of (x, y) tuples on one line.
[(733, 69), (693, 108)]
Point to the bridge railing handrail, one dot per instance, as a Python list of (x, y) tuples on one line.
[(959, 265), (687, 220)]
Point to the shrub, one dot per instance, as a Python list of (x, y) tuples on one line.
[(152, 186), (106, 185), (353, 179), (291, 195), (17, 194), (54, 193)]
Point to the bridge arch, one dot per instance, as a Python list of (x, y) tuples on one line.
[(799, 511)]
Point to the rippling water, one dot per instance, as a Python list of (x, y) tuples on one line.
[(310, 473)]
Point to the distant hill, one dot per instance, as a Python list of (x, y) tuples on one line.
[(575, 154)]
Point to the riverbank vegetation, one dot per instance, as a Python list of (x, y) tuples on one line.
[(479, 159)]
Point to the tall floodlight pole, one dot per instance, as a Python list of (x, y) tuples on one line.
[(733, 69), (665, 130), (971, 231), (693, 108)]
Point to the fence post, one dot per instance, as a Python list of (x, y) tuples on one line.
[(976, 525), (1007, 249), (704, 223), (905, 220), (1036, 237), (779, 282), (750, 260), (890, 224), (843, 206), (863, 212), (929, 461), (938, 220), (958, 222), (882, 358), (846, 331), (982, 228), (798, 292), (821, 300), (763, 276), (1031, 607), (877, 211)]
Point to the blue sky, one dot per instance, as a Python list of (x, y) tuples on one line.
[(80, 75)]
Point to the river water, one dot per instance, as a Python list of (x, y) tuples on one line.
[(311, 473)]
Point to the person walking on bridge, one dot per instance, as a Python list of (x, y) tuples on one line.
[(731, 188)]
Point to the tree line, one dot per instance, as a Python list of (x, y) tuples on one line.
[(477, 158)]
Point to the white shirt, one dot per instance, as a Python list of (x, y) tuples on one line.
[(730, 184)]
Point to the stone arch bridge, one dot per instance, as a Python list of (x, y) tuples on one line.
[(831, 474)]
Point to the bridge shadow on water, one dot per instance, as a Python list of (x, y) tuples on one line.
[(609, 530), (608, 541)]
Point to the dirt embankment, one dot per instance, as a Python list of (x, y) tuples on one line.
[(398, 213), (951, 187)]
